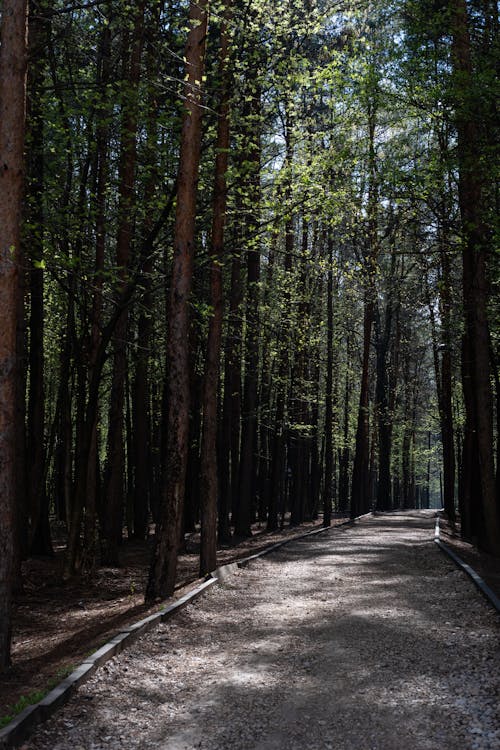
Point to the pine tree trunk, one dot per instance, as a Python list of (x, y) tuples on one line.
[(231, 407), (360, 474), (115, 472), (248, 460), (383, 400), (281, 470), (479, 407), (38, 501), (101, 179), (13, 55), (329, 462), (164, 565), (209, 484)]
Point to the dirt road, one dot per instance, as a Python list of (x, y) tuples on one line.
[(365, 638)]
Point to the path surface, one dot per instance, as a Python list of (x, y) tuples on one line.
[(366, 638)]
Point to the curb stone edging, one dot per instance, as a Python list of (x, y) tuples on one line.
[(22, 725), (483, 587)]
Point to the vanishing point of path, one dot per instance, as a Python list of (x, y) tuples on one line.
[(362, 638)]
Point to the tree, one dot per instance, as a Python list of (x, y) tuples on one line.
[(164, 564), (478, 469), (209, 484), (13, 57), (115, 471)]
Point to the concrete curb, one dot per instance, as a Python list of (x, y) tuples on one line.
[(483, 587), (25, 723)]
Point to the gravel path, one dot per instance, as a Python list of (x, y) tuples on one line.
[(365, 638)]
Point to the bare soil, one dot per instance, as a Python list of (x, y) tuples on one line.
[(56, 624)]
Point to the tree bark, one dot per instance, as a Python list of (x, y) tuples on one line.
[(164, 564), (247, 483), (360, 474), (13, 55), (329, 463), (40, 542), (209, 485), (231, 407), (479, 407), (115, 473)]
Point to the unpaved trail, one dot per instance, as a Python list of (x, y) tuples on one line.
[(365, 638)]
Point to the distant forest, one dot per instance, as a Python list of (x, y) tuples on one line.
[(249, 269)]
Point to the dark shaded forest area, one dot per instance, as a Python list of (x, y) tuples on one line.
[(249, 272)]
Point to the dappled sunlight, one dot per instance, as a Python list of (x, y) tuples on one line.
[(312, 650)]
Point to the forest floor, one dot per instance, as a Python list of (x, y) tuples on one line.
[(362, 637), (56, 624)]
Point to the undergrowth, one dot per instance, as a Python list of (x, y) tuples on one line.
[(34, 697)]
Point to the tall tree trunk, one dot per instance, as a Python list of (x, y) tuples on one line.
[(360, 474), (114, 480), (164, 564), (101, 179), (231, 407), (141, 405), (299, 405), (384, 389), (13, 54), (329, 463), (479, 408), (248, 461), (280, 469), (344, 452), (38, 500), (209, 485)]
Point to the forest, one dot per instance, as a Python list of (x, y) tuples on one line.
[(249, 269)]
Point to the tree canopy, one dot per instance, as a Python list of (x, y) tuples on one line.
[(257, 275)]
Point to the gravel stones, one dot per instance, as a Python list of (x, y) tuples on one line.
[(361, 638)]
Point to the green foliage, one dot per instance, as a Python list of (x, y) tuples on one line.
[(34, 697)]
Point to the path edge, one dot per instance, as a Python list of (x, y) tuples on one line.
[(483, 587), (24, 724)]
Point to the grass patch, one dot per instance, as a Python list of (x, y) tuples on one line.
[(34, 697), (23, 702)]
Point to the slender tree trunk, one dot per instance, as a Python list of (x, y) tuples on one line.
[(316, 466), (479, 407), (38, 501), (13, 54), (164, 564), (141, 406), (344, 452), (265, 455), (209, 485), (385, 384), (114, 481), (329, 463), (101, 179), (299, 406), (248, 462), (231, 408), (280, 469), (360, 475)]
